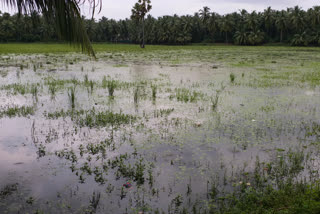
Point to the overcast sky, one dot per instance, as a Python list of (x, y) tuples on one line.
[(121, 9)]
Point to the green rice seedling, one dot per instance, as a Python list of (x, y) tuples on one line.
[(91, 83), (104, 82), (213, 191), (23, 111), (30, 200), (214, 102), (92, 118), (154, 92), (81, 178), (176, 203), (139, 172), (34, 68), (86, 79), (150, 177), (41, 151), (16, 88), (52, 90), (162, 112), (82, 69), (34, 92), (72, 96), (185, 95), (215, 99), (232, 77), (74, 81), (112, 85), (123, 193), (21, 67), (8, 190), (136, 95)]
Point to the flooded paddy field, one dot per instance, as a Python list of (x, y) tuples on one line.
[(208, 130)]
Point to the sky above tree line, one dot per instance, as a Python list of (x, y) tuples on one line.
[(121, 9)]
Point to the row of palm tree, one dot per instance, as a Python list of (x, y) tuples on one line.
[(294, 26)]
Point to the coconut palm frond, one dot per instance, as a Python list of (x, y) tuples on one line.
[(65, 14)]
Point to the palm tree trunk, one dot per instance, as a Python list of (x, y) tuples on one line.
[(281, 36)]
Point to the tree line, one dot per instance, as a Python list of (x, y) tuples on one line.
[(294, 26)]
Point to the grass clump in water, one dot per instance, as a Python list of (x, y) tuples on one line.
[(215, 99), (272, 187), (86, 79), (23, 111), (232, 77), (52, 90), (154, 92), (35, 91), (92, 118), (110, 84), (103, 119), (136, 95), (185, 95), (16, 88), (72, 96)]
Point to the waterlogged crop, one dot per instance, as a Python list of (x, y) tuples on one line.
[(192, 129)]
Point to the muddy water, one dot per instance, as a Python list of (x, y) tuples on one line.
[(182, 146)]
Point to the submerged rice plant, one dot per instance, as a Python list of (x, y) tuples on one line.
[(34, 91), (72, 96), (214, 102), (154, 92), (86, 79), (52, 90), (136, 95), (91, 84), (112, 85), (22, 111), (232, 77)]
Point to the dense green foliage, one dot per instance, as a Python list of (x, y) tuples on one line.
[(294, 26)]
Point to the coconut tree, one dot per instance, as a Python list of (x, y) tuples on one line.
[(297, 19), (281, 23), (255, 37), (66, 15), (300, 39), (204, 14), (252, 21), (139, 11), (6, 28), (313, 15), (241, 38), (213, 24), (268, 18), (226, 25)]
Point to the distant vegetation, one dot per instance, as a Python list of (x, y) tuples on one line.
[(293, 26)]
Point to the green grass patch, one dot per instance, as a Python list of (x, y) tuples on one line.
[(16, 111), (92, 118)]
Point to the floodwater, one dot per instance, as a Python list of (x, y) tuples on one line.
[(169, 152)]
